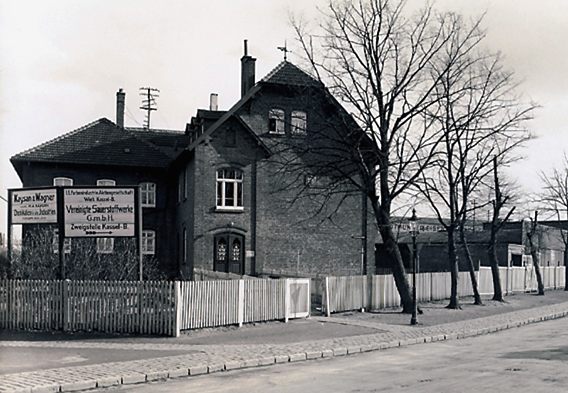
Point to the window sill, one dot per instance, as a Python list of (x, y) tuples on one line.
[(223, 209)]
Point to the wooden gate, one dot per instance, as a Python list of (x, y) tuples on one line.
[(298, 301)]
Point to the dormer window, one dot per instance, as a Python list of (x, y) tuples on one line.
[(299, 121), (276, 121)]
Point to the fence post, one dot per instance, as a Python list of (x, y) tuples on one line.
[(65, 305), (241, 312), (287, 300), (369, 292), (364, 284), (177, 311), (327, 297)]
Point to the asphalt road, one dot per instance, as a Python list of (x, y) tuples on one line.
[(532, 358)]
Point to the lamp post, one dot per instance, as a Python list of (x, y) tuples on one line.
[(414, 232)]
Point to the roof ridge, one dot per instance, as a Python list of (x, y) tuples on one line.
[(156, 130), (149, 144), (284, 63), (274, 71), (60, 137)]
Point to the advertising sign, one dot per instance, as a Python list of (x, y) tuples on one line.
[(33, 206), (99, 212)]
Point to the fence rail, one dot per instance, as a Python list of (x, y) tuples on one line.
[(376, 292), (163, 308)]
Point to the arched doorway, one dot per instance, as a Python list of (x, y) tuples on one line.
[(229, 253)]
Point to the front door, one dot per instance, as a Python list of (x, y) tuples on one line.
[(229, 249)]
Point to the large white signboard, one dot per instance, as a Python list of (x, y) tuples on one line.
[(99, 212), (34, 206)]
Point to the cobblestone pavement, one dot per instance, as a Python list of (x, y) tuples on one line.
[(205, 359)]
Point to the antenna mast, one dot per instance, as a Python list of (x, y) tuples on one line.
[(149, 103)]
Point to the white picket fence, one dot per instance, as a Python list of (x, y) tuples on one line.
[(377, 292), (148, 307)]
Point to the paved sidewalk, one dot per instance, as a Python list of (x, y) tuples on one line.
[(196, 359)]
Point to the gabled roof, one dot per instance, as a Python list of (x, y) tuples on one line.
[(284, 74), (104, 143), (288, 74)]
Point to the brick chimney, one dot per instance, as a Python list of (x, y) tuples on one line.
[(247, 72), (120, 98)]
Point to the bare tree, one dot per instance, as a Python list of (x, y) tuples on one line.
[(555, 201), (377, 59), (482, 122)]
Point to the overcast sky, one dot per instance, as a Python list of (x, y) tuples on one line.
[(62, 61)]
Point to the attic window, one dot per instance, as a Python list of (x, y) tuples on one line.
[(299, 122), (276, 121)]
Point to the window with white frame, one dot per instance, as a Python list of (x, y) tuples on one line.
[(148, 242), (276, 121), (66, 243), (148, 194), (299, 122), (62, 181), (229, 189), (106, 182), (105, 245)]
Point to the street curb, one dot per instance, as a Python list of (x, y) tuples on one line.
[(203, 369)]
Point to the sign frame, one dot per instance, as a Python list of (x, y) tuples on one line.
[(51, 218), (102, 222)]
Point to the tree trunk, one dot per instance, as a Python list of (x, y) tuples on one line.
[(454, 271), (531, 233), (566, 266), (395, 258), (494, 261), (476, 296), (534, 255)]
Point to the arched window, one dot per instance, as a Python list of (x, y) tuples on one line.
[(106, 182), (229, 189), (62, 181), (276, 121)]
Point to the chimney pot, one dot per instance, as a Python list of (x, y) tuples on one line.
[(120, 99), (213, 102)]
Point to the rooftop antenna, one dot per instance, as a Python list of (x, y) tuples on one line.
[(149, 103), (285, 50)]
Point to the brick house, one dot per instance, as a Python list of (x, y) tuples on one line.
[(216, 196)]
